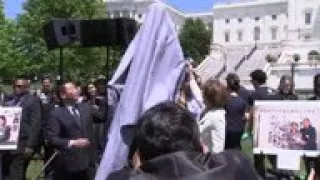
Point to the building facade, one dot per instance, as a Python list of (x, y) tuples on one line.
[(136, 9), (266, 22)]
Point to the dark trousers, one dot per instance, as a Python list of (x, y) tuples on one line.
[(100, 137), (1, 175), (233, 140), (62, 174), (259, 163), (48, 152), (14, 166)]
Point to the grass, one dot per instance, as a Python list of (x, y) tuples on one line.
[(34, 169)]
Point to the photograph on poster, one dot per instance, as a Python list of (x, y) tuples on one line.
[(9, 127), (287, 125)]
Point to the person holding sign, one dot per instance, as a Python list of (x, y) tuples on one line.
[(16, 162)]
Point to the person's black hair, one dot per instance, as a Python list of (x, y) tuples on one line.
[(62, 87), (164, 129), (259, 76), (46, 78), (21, 77), (100, 81), (233, 82), (315, 81), (283, 80)]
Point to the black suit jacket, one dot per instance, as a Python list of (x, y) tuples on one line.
[(261, 93), (30, 125), (228, 165), (309, 135), (63, 127)]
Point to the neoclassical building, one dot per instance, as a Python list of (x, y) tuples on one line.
[(247, 34), (136, 9)]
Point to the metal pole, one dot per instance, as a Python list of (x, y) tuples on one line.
[(225, 62), (52, 157), (61, 66), (106, 128), (292, 72)]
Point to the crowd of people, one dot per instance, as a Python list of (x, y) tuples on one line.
[(226, 109), (196, 137), (67, 120)]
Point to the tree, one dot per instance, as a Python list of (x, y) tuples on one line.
[(313, 55), (80, 63), (11, 60), (270, 58), (195, 39), (296, 57)]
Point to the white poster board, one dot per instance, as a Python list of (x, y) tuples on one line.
[(287, 126), (10, 118)]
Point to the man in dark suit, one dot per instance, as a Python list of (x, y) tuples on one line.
[(262, 92), (47, 105), (309, 135), (70, 130), (16, 162)]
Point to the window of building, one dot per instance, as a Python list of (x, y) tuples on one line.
[(227, 36), (227, 21), (257, 33), (139, 16), (116, 14), (274, 33), (240, 20), (257, 18), (108, 14), (274, 17), (308, 17), (307, 37), (240, 36), (126, 13)]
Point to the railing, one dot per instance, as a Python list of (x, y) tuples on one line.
[(219, 74), (245, 57)]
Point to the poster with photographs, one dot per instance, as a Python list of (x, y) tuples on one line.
[(287, 126), (9, 127)]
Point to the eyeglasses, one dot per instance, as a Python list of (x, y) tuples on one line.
[(18, 86)]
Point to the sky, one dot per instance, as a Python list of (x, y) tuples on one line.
[(14, 7)]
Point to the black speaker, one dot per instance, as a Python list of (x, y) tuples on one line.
[(107, 32), (90, 33), (61, 32), (99, 33), (127, 30)]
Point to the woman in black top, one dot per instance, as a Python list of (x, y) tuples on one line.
[(286, 89), (235, 113)]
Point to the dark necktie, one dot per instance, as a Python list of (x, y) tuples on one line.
[(76, 115), (16, 101)]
